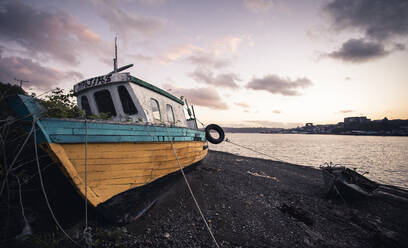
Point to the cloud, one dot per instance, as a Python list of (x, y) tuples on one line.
[(178, 52), (152, 2), (359, 50), (206, 97), (347, 78), (56, 35), (227, 80), (378, 19), (277, 85), (258, 6), (242, 104), (194, 55), (125, 23), (215, 57), (399, 47), (141, 57), (39, 77), (227, 44), (276, 111), (346, 111), (208, 60)]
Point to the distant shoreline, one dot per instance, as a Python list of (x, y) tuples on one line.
[(353, 134)]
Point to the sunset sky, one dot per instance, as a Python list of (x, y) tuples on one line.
[(272, 63)]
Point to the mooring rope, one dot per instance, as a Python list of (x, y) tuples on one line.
[(43, 188), (191, 191), (21, 202), (267, 155), (86, 176), (9, 168), (87, 231), (22, 146), (196, 118)]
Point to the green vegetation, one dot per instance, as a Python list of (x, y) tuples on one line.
[(60, 104), (7, 90)]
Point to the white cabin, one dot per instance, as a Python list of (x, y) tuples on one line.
[(126, 98)]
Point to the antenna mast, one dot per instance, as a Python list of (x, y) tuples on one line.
[(115, 60), (21, 82)]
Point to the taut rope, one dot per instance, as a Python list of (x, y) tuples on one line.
[(267, 155), (191, 191), (87, 231), (43, 188)]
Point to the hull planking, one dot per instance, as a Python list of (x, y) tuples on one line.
[(113, 168), (120, 156)]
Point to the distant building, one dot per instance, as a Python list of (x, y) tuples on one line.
[(355, 121)]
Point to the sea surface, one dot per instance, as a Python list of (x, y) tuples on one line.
[(384, 157)]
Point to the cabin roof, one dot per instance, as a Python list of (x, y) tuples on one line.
[(120, 77), (155, 89)]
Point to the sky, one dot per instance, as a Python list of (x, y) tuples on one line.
[(269, 63)]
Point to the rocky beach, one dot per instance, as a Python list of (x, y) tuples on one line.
[(248, 202)]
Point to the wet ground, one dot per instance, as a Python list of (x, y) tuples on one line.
[(248, 202)]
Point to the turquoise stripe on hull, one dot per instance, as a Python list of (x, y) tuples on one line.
[(78, 125), (73, 131), (65, 139)]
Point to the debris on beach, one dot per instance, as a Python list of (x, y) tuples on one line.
[(262, 174)]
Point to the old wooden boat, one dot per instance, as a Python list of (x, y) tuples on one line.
[(130, 150), (347, 183)]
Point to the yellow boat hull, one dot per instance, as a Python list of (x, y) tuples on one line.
[(113, 168)]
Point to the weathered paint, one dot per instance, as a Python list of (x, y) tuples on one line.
[(120, 156), (100, 80), (58, 130), (112, 78), (155, 89), (27, 109), (73, 131), (113, 168), (140, 92)]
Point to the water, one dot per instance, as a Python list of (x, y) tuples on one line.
[(385, 158)]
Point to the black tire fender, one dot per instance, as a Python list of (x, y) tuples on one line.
[(216, 128)]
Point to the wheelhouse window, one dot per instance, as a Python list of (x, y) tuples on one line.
[(170, 114), (155, 109), (85, 106), (127, 103), (104, 102)]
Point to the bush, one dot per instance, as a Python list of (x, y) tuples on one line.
[(61, 105)]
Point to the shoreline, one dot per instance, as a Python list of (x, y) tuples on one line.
[(383, 157), (252, 202), (344, 134)]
